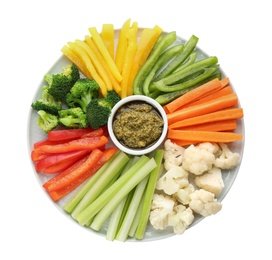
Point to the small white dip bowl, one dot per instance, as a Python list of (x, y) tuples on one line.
[(137, 151)]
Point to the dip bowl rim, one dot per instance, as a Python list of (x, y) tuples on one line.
[(137, 151)]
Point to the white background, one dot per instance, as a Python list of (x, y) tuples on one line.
[(31, 36)]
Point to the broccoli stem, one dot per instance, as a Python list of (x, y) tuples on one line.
[(121, 186), (150, 189), (120, 190)]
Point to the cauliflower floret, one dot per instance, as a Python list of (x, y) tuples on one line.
[(173, 180), (181, 219), (161, 207), (211, 181), (200, 158), (227, 159), (183, 194), (173, 154), (204, 203)]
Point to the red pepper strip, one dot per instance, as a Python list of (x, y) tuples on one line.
[(54, 159), (60, 167), (74, 145), (91, 161), (58, 194), (97, 132), (36, 156), (65, 172), (67, 134), (45, 142)]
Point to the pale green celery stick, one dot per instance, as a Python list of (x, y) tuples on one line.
[(121, 187), (89, 222), (135, 222), (99, 186), (128, 184), (150, 189), (116, 214), (71, 204), (131, 212), (93, 208)]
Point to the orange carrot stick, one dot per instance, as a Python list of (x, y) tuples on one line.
[(205, 108), (194, 94), (204, 136), (212, 95), (183, 142), (225, 82), (225, 114), (218, 126)]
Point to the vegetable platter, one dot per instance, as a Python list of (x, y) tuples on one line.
[(116, 56)]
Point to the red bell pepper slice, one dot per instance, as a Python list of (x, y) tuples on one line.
[(45, 142), (54, 159), (60, 167), (68, 134), (67, 179), (97, 132), (58, 194), (87, 143)]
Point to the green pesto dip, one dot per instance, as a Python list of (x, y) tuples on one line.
[(137, 125)]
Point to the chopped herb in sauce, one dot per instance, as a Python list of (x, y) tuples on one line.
[(137, 125)]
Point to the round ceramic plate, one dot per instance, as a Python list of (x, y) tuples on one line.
[(36, 134)]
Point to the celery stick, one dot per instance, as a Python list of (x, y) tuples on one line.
[(136, 219), (107, 195), (116, 215), (71, 204), (127, 185), (103, 198), (131, 212), (99, 186), (153, 177)]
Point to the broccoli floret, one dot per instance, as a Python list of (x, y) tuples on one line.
[(61, 83), (98, 110), (73, 118), (47, 102), (82, 92), (47, 121), (112, 97)]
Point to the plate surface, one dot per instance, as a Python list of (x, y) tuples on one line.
[(35, 134)]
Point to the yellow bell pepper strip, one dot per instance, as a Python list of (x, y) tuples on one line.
[(101, 46), (162, 44), (122, 45), (116, 85), (99, 68), (89, 65), (72, 56), (107, 34), (146, 43), (128, 61)]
